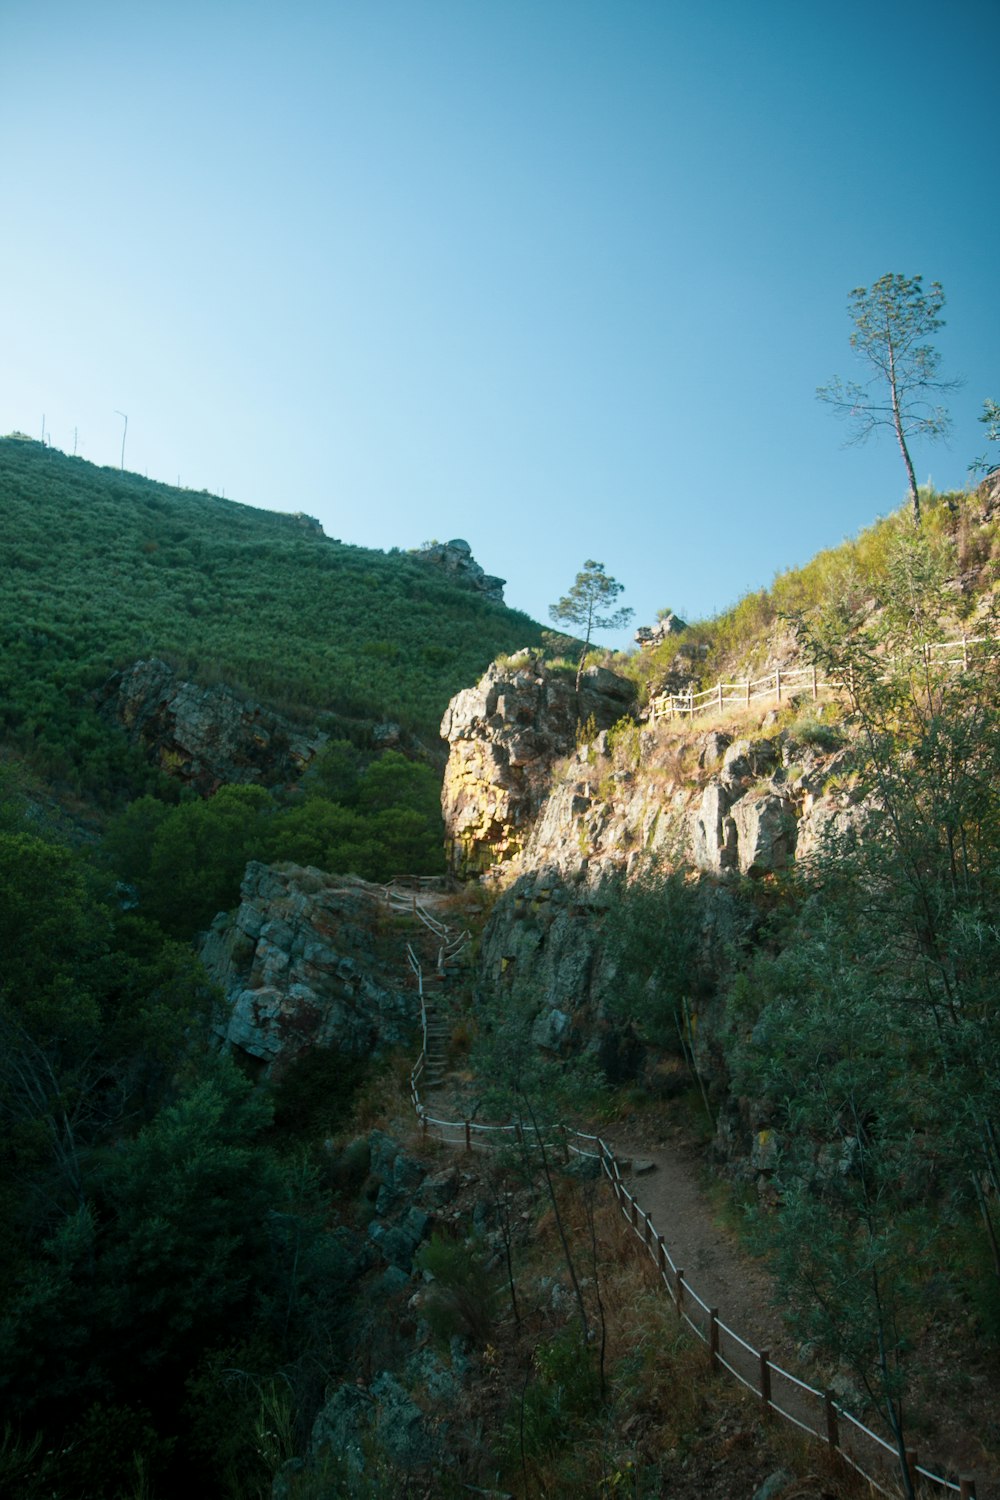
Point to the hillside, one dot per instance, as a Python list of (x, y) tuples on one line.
[(102, 568)]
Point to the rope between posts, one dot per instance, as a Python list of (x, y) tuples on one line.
[(642, 1225)]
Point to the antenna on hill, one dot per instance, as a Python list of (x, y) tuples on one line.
[(43, 428), (122, 414), (74, 442)]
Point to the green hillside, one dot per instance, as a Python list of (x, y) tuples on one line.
[(102, 568)]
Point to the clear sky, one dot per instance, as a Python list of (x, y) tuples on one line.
[(559, 277)]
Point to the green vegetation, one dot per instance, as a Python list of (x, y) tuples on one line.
[(863, 1037), (587, 605), (102, 568), (185, 862), (893, 319), (736, 642)]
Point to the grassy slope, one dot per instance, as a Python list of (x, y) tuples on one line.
[(739, 641), (101, 568)]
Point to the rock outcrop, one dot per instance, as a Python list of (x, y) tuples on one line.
[(521, 796), (456, 560), (505, 735), (205, 736), (649, 636), (298, 967)]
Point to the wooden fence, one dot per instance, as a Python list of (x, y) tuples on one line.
[(778, 687), (781, 1393)]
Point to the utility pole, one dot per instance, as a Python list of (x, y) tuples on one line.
[(74, 442), (124, 432)]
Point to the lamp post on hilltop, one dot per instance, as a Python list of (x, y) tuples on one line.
[(124, 432)]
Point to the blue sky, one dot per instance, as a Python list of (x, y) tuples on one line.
[(556, 276)]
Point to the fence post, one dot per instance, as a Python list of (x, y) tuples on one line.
[(719, 690), (468, 1136), (679, 1293), (911, 1465), (635, 1215), (966, 1487), (747, 685), (965, 652), (815, 686), (423, 1122), (661, 1250), (777, 687), (713, 1340), (565, 1139), (765, 1379), (832, 1434)]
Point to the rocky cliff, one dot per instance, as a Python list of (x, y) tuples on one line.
[(301, 964), (505, 736), (205, 736), (456, 560), (521, 795)]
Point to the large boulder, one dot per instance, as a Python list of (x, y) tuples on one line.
[(456, 560), (298, 968), (505, 735), (204, 736)]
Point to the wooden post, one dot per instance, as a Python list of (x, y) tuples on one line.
[(719, 689), (965, 652), (679, 1293), (966, 1487), (815, 685), (647, 1233), (777, 687), (765, 1379), (748, 691), (468, 1136), (661, 1250), (423, 1122), (832, 1433), (635, 1215), (565, 1136), (713, 1340), (911, 1465)]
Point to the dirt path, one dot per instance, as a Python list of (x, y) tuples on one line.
[(713, 1262)]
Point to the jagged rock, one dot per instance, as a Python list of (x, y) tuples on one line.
[(205, 736), (765, 833), (439, 1189), (648, 636), (549, 1030), (713, 831), (455, 558), (713, 749), (296, 966), (505, 734)]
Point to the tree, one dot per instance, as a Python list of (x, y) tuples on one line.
[(586, 604), (991, 418), (892, 321)]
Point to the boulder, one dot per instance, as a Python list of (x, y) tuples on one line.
[(456, 560), (297, 967), (765, 833)]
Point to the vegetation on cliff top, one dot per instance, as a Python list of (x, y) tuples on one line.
[(103, 568)]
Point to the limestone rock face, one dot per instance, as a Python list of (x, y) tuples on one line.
[(455, 558), (205, 736), (298, 968), (505, 735)]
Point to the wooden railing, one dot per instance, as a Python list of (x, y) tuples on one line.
[(782, 1394), (777, 687)]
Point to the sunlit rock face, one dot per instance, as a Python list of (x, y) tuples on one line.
[(300, 965), (205, 736), (504, 737), (455, 558)]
